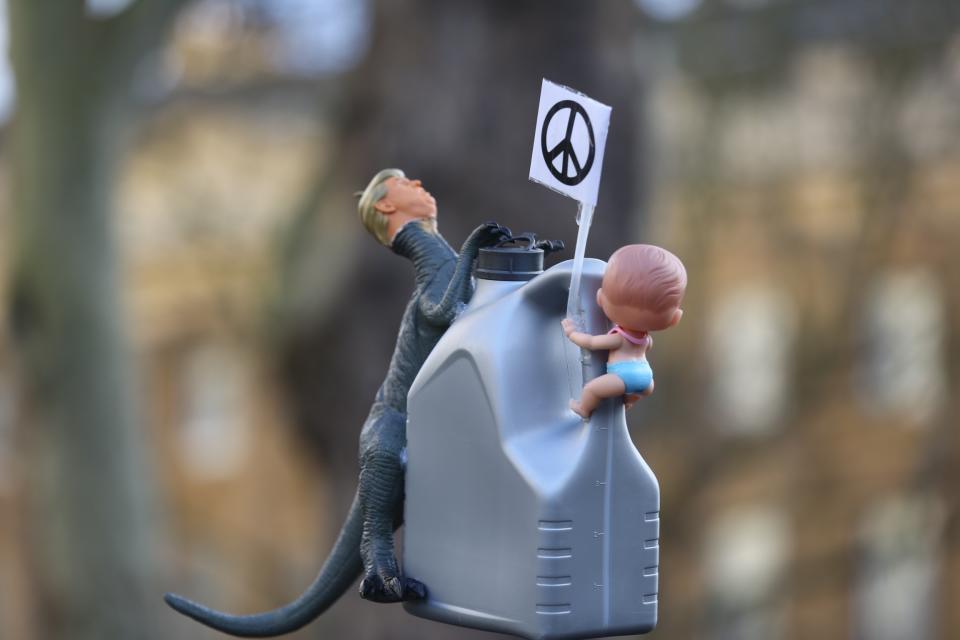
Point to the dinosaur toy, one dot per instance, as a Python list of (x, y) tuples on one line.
[(400, 214)]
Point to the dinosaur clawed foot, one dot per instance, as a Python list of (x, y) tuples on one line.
[(393, 589)]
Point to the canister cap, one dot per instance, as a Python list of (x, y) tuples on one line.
[(518, 258)]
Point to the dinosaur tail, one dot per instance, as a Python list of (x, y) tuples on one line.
[(342, 567)]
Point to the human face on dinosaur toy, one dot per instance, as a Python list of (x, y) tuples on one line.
[(407, 198)]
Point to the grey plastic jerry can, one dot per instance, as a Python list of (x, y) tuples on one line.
[(521, 518)]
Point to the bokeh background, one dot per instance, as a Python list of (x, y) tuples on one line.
[(194, 322)]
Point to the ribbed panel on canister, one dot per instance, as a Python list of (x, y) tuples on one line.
[(509, 263)]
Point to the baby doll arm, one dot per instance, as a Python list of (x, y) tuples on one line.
[(585, 340)]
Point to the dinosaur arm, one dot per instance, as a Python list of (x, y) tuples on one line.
[(438, 306)]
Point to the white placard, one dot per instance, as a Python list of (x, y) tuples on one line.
[(568, 145)]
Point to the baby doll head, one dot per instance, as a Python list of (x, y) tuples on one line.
[(642, 288)]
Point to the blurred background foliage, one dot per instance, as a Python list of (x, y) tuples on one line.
[(195, 323)]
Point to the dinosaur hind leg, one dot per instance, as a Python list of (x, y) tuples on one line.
[(381, 500)]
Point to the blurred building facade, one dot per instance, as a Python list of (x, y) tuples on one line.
[(248, 504), (807, 168)]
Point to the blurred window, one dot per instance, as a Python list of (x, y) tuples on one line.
[(215, 435), (668, 10), (750, 346), (7, 91), (6, 427), (749, 4), (319, 36), (897, 586), (928, 121), (904, 371), (106, 8), (303, 37), (745, 564)]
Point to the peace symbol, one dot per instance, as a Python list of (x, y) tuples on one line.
[(564, 148)]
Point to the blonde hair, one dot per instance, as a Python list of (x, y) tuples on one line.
[(374, 221), (647, 277)]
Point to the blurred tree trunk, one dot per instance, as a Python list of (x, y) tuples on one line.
[(448, 92), (89, 496)]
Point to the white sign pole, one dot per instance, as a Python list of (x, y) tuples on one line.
[(568, 146), (577, 377), (574, 308)]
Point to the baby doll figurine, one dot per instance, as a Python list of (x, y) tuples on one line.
[(641, 292)]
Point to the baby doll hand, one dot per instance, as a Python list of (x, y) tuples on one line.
[(568, 327)]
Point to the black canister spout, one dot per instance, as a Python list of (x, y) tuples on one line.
[(518, 258)]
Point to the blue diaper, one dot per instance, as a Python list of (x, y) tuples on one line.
[(636, 374)]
